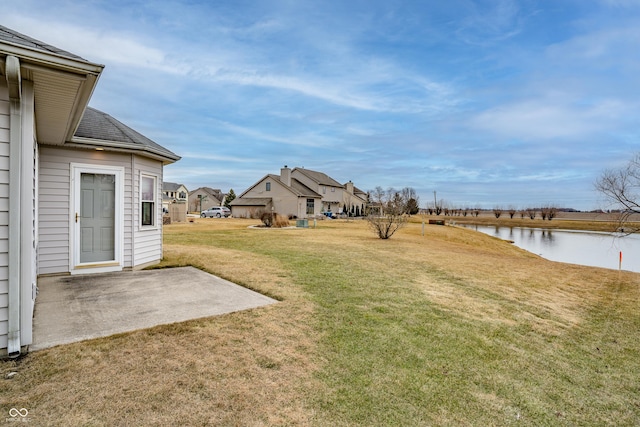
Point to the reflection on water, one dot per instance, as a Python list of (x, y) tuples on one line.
[(575, 247)]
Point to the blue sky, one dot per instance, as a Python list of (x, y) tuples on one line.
[(487, 103)]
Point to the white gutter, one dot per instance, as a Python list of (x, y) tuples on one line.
[(12, 66)]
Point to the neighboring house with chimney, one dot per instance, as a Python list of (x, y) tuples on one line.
[(300, 193), (204, 198), (80, 191), (336, 197)]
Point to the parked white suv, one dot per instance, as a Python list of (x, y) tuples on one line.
[(216, 211)]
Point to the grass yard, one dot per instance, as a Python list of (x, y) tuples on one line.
[(453, 328)]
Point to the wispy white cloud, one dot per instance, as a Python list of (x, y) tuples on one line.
[(540, 120), (467, 96), (487, 25)]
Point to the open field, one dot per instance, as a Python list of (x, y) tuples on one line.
[(453, 328)]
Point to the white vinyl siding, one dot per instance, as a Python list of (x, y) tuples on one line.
[(147, 241), (28, 256), (54, 203), (4, 213), (140, 246)]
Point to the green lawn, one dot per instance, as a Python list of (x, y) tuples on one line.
[(453, 328)]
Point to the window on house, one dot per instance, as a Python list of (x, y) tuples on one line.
[(268, 186), (147, 200), (333, 189), (310, 207), (324, 190)]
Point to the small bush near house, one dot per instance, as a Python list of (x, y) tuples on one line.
[(266, 218), (280, 221), (274, 220)]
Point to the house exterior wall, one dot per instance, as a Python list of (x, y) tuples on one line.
[(29, 196), (245, 211), (285, 202), (175, 202), (141, 245), (147, 242), (194, 203), (27, 218), (4, 213)]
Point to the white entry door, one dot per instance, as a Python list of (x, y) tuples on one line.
[(96, 218)]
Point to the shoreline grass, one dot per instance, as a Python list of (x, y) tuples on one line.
[(450, 328)]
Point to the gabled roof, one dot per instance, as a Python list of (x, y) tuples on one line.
[(208, 190), (319, 177), (356, 190), (12, 36), (214, 193), (296, 187), (100, 129), (171, 186)]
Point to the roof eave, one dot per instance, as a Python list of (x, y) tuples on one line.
[(34, 62), (50, 59), (166, 157)]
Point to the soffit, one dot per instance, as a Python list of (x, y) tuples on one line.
[(63, 84), (56, 100)]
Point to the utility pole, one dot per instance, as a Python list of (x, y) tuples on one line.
[(435, 201)]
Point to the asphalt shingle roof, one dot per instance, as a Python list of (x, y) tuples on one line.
[(98, 125), (170, 186), (319, 177), (12, 36)]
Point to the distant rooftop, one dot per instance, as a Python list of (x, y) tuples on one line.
[(12, 36)]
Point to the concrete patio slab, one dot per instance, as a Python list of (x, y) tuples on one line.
[(76, 308)]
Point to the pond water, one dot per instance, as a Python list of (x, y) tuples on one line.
[(575, 247)]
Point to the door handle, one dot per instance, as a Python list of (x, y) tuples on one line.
[(77, 217)]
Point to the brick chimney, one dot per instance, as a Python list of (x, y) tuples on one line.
[(285, 176)]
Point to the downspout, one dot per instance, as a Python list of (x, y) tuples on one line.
[(15, 159)]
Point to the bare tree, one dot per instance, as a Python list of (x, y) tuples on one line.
[(378, 194), (392, 217), (411, 200), (531, 212), (512, 211), (543, 212), (497, 211), (622, 188), (548, 212)]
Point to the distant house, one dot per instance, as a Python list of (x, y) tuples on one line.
[(299, 193), (336, 198), (204, 198), (81, 191), (175, 197)]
